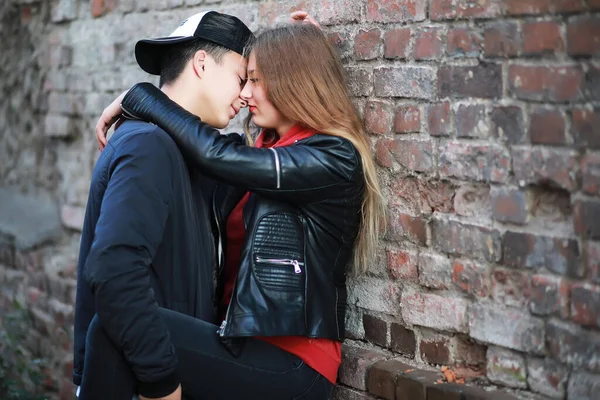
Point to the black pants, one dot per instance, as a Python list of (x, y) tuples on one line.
[(206, 368)]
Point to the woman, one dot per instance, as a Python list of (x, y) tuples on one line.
[(304, 204)]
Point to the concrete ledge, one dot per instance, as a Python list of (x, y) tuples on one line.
[(27, 221), (393, 379)]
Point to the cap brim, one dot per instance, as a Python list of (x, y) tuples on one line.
[(149, 52)]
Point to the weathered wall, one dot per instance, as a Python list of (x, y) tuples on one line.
[(485, 121)]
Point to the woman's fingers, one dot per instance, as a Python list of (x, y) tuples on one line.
[(304, 17), (110, 115)]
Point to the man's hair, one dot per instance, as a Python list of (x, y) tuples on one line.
[(175, 60)]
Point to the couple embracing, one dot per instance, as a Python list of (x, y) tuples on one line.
[(214, 266)]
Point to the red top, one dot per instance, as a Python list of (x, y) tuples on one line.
[(323, 355)]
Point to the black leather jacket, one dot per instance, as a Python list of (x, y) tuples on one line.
[(302, 220)]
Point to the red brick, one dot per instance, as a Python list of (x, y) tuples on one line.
[(439, 122), (472, 200), (536, 7), (382, 378), (463, 42), (547, 127), (360, 80), (511, 288), (583, 36), (396, 43), (467, 352), (545, 83), (549, 296), (383, 157), (483, 81), (415, 155), (435, 271), (592, 80), (409, 227), (508, 124), (507, 327), (407, 119), (101, 7), (525, 250), (25, 14), (422, 196), (375, 330), (594, 4), (402, 265), (378, 117), (471, 121), (501, 39), (413, 82), (586, 214), (435, 349), (590, 168), (434, 311), (454, 237), (510, 205), (443, 9), (583, 385), (330, 12), (471, 278), (592, 260), (542, 37), (585, 128), (487, 163), (367, 44), (395, 10), (585, 304), (478, 9), (403, 340), (557, 167), (341, 41), (506, 368), (356, 362), (573, 344), (428, 44), (451, 391), (415, 384), (547, 377)]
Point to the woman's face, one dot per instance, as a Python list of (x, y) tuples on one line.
[(264, 113)]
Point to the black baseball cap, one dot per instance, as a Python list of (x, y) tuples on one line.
[(222, 29)]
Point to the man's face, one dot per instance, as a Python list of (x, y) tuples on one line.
[(221, 84)]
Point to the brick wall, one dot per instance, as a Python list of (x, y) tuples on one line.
[(485, 122)]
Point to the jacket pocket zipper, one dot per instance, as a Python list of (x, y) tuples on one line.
[(282, 261)]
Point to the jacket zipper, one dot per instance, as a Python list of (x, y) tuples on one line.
[(220, 244), (282, 261), (277, 167)]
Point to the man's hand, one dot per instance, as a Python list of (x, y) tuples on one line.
[(303, 17), (110, 115), (176, 395)]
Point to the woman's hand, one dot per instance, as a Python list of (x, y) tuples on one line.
[(110, 115), (303, 17)]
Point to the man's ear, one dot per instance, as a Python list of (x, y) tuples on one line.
[(199, 63)]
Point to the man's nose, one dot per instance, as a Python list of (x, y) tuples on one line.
[(246, 93)]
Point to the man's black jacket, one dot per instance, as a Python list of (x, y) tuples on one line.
[(146, 243)]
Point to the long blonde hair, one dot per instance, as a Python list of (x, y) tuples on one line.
[(303, 76)]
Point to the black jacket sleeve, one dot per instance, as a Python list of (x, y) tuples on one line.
[(132, 219), (299, 173)]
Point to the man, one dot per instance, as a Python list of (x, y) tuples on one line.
[(147, 240)]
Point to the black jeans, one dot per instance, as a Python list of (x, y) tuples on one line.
[(206, 368)]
